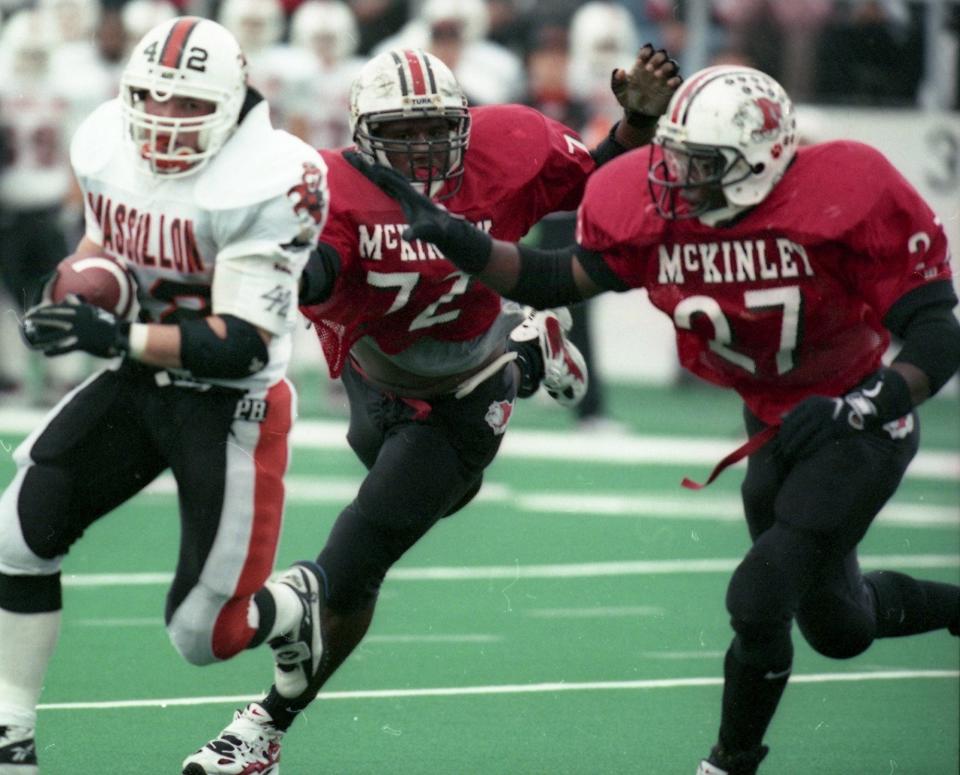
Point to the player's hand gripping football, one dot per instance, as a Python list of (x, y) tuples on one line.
[(818, 420), (55, 329), (463, 244), (645, 91)]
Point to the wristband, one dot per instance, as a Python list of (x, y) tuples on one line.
[(639, 120), (136, 334)]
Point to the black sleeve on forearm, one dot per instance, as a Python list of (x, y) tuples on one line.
[(608, 148), (545, 278), (319, 275), (923, 319)]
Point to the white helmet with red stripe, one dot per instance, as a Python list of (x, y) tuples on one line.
[(728, 129), (184, 57), (404, 84)]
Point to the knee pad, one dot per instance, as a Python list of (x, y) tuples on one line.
[(32, 523), (836, 631), (44, 504), (357, 556), (191, 627), (761, 613)]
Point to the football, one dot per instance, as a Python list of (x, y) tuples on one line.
[(99, 280)]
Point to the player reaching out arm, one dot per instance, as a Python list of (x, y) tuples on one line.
[(785, 277), (215, 213), (432, 362)]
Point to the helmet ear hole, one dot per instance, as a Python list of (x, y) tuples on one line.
[(757, 168)]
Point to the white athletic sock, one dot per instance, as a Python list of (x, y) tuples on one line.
[(289, 609), (26, 646)]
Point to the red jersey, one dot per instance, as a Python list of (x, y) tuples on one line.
[(788, 301), (519, 167)]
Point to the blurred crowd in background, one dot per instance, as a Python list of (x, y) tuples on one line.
[(59, 59)]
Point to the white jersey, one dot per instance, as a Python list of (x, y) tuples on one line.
[(279, 73), (231, 239), (33, 118), (323, 103)]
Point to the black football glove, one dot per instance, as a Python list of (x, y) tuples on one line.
[(883, 397), (55, 329), (463, 244), (643, 95)]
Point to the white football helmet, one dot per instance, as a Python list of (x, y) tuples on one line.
[(326, 27), (255, 24), (27, 44), (728, 130), (603, 36), (472, 15), (403, 84), (141, 16), (183, 57), (75, 19)]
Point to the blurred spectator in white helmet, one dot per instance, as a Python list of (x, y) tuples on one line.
[(35, 178), (141, 16), (454, 31), (276, 69), (603, 36), (326, 31)]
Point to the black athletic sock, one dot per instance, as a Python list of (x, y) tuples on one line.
[(750, 698), (341, 635), (908, 606), (282, 710)]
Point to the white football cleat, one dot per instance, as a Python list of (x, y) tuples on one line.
[(564, 369), (297, 653), (250, 745), (744, 763), (706, 768), (18, 752)]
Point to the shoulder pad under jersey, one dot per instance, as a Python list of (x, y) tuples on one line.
[(257, 164), (97, 139)]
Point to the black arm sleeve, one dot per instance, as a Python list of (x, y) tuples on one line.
[(923, 319), (608, 148), (204, 354), (319, 275), (546, 276)]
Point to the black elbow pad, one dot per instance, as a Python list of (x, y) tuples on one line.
[(239, 354), (924, 319), (545, 278), (319, 275)]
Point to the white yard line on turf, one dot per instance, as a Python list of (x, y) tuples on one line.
[(561, 445), (537, 688), (682, 506), (569, 570)]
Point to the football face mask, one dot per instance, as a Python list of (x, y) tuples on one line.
[(727, 127), (181, 95), (404, 88), (687, 180), (420, 149)]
